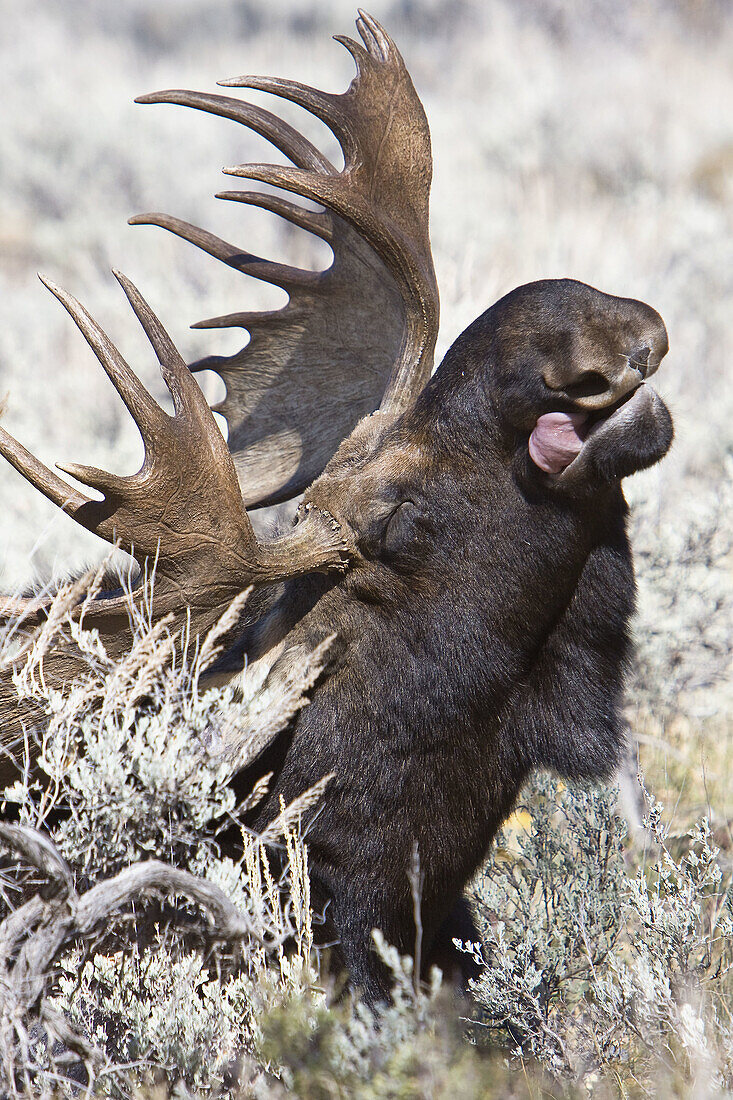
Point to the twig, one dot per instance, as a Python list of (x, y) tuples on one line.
[(417, 879), (34, 936)]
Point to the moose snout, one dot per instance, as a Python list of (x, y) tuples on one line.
[(605, 347)]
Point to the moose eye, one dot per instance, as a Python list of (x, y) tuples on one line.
[(405, 529)]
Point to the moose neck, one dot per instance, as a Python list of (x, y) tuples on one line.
[(493, 581)]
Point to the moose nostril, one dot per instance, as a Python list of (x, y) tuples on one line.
[(588, 384), (639, 359)]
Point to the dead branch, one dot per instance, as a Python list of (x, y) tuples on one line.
[(33, 937)]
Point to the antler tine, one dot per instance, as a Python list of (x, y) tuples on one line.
[(186, 394), (46, 481), (144, 410), (312, 220), (374, 36), (319, 103), (92, 476), (360, 55), (332, 191), (243, 319), (266, 271), (281, 134), (167, 353), (326, 106)]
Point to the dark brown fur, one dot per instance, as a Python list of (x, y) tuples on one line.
[(482, 632)]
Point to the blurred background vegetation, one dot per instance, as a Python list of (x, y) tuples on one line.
[(588, 139)]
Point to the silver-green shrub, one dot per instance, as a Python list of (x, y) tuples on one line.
[(604, 966), (133, 764), (604, 963)]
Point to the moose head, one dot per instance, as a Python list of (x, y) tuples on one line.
[(461, 534)]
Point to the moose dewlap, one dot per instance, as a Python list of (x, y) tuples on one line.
[(462, 536)]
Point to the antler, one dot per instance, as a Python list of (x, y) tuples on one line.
[(182, 512), (364, 330)]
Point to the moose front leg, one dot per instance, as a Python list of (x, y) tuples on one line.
[(568, 713), (354, 906), (352, 912)]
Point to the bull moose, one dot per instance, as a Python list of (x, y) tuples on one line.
[(461, 534)]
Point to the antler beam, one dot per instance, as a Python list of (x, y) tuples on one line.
[(314, 368)]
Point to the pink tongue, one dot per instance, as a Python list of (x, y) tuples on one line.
[(556, 440)]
